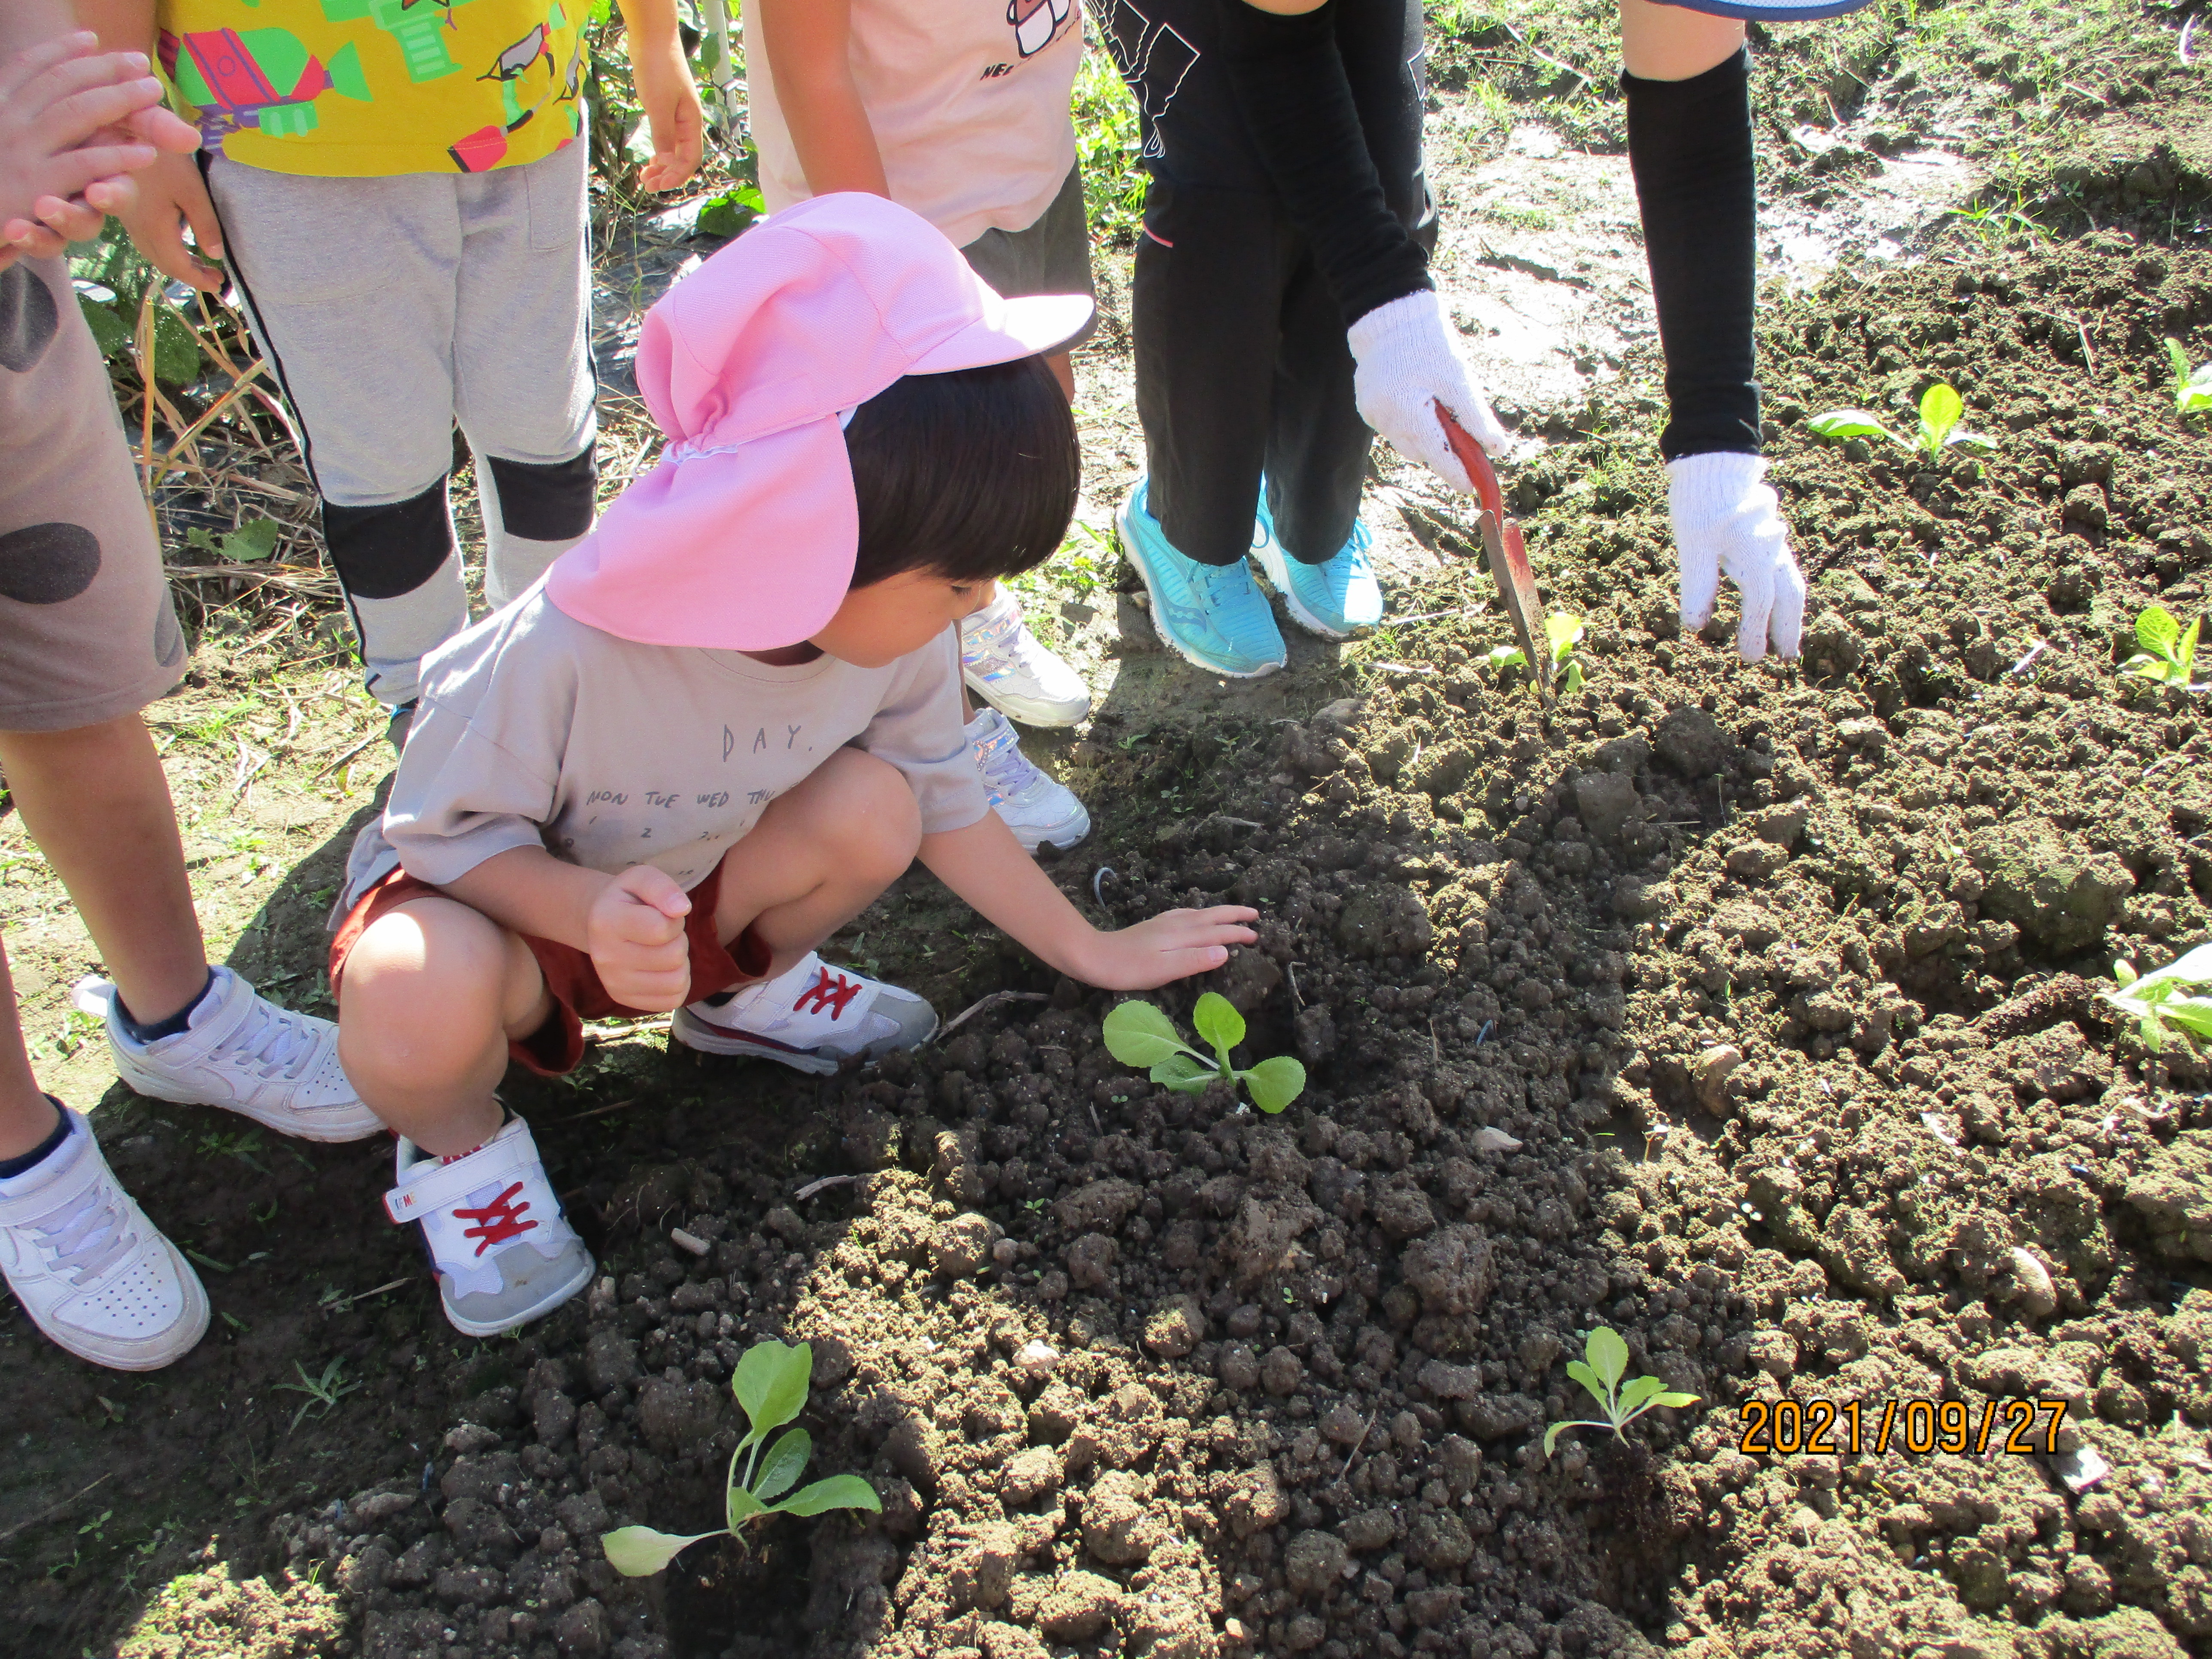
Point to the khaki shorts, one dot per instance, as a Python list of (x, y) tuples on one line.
[(86, 631), (1053, 256)]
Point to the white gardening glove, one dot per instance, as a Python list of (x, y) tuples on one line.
[(1727, 522), (1404, 365)]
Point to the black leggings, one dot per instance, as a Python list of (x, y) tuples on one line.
[(1689, 147)]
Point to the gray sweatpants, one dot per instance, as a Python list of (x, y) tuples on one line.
[(389, 308)]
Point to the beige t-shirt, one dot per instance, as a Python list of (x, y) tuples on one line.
[(969, 103), (536, 729)]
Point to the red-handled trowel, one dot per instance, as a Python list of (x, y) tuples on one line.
[(1508, 557)]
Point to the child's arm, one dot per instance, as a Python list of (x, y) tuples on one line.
[(986, 865), (663, 78), (170, 193), (631, 925), (809, 48)]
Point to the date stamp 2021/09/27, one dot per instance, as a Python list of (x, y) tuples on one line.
[(1849, 1428)]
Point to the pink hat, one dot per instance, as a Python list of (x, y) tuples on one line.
[(742, 538)]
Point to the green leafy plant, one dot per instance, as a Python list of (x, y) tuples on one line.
[(1605, 1360), (2169, 650), (1563, 634), (112, 283), (2167, 1001), (770, 1383), (2192, 389), (326, 1390), (252, 542), (1941, 408), (1138, 1034)]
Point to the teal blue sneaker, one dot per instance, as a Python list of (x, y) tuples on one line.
[(1212, 617), (1335, 599)]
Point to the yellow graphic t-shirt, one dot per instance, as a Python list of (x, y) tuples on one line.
[(357, 88)]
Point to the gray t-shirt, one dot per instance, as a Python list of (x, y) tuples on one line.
[(536, 729)]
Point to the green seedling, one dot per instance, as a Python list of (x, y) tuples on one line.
[(251, 542), (2192, 389), (2168, 1001), (1605, 1358), (1563, 634), (1138, 1034), (1940, 409), (770, 1383), (326, 1390), (2169, 650)]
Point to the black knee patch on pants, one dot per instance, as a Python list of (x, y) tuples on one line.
[(547, 501), (382, 552)]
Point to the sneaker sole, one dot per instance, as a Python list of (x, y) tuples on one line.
[(538, 1309), (178, 1341), (1152, 614), (1059, 837), (285, 1120), (694, 1033), (1044, 716), (1280, 581)]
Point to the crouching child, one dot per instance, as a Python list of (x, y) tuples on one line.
[(719, 727)]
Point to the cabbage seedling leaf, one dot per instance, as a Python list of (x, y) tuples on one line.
[(1851, 423), (1185, 1073), (1674, 1401), (640, 1551), (1275, 1084), (1940, 406), (839, 1491), (1218, 1021), (1138, 1034), (1607, 1355), (2156, 630), (785, 1462), (770, 1383), (1634, 1392)]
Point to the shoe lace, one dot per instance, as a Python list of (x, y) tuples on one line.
[(832, 992), (271, 1041), (1006, 770), (497, 1221), (88, 1241)]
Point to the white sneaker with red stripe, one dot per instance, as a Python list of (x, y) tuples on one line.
[(815, 1017), (503, 1252)]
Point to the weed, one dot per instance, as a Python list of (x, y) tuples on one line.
[(1940, 409), (1138, 1034), (770, 1382), (2192, 389), (1564, 633), (1605, 1359), (252, 542), (2165, 1002), (2169, 651), (1110, 143), (241, 1145), (326, 1390)]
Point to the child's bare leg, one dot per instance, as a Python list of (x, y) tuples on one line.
[(432, 993), (1063, 370), (819, 856), (27, 1116), (96, 802)]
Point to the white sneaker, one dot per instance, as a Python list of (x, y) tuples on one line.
[(1006, 667), (815, 1017), (1039, 812), (245, 1054), (91, 1271), (503, 1252)]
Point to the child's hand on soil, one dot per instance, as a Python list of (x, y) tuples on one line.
[(1172, 946), (671, 103), (75, 124), (635, 931), (1726, 523)]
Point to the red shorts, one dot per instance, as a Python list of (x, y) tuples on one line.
[(571, 978)]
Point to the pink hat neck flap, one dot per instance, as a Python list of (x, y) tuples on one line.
[(742, 538)]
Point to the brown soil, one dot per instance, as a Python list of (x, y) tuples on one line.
[(1295, 1373)]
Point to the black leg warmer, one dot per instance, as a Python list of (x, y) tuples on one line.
[(1689, 146)]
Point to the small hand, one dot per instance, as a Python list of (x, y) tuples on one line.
[(1404, 363), (671, 102), (635, 934), (169, 195), (1172, 946), (1727, 522), (75, 123)]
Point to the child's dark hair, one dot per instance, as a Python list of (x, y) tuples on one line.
[(971, 474)]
